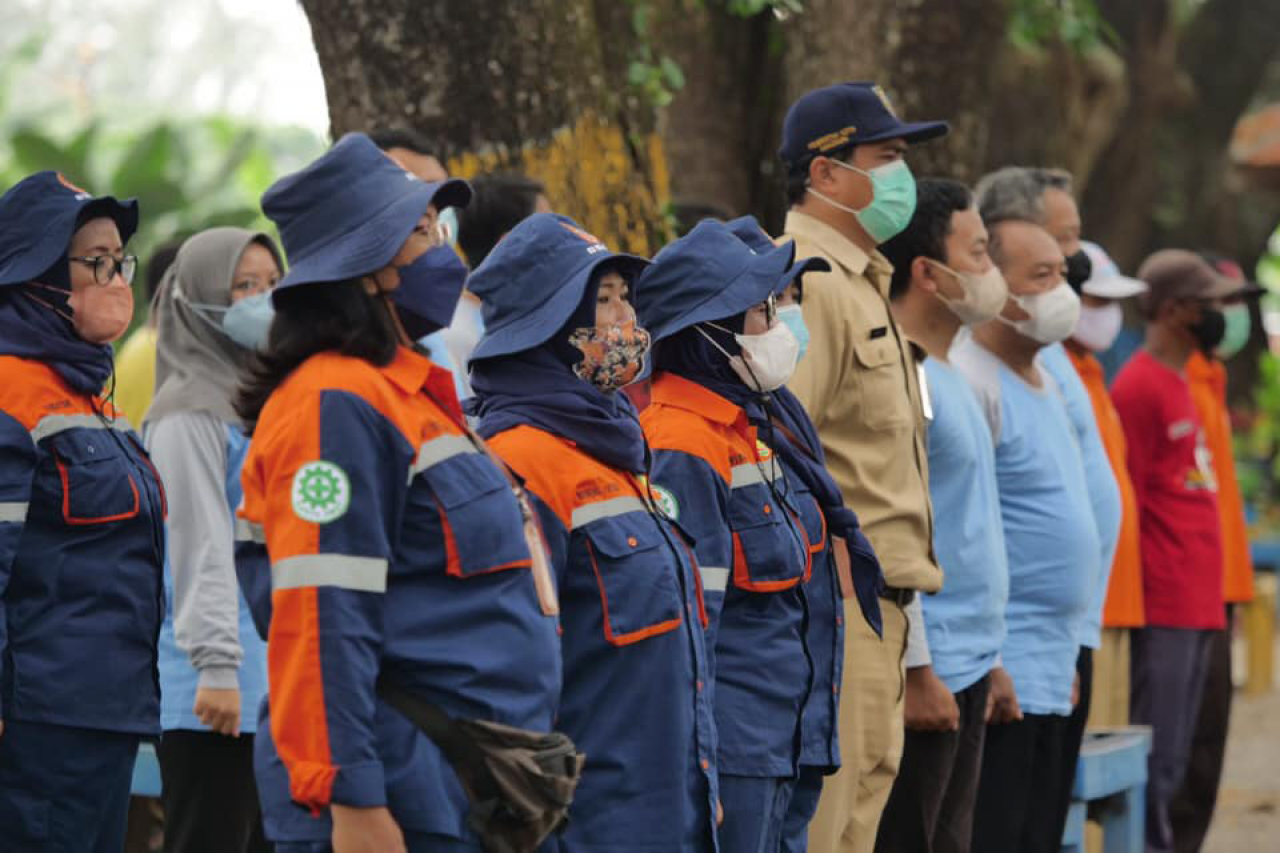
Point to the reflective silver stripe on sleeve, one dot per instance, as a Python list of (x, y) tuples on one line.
[(714, 579), (751, 474), (54, 424), (437, 450), (362, 574), (584, 515), (250, 531), (13, 511)]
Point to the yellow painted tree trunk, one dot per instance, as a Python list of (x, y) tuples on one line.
[(538, 87)]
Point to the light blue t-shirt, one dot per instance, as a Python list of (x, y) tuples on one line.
[(1104, 492), (964, 622), (1051, 538), (178, 678)]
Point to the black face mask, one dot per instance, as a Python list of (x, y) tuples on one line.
[(1079, 268), (1209, 329)]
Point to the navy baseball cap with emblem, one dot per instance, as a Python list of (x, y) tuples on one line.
[(348, 213), (535, 278), (710, 274), (840, 116), (40, 214)]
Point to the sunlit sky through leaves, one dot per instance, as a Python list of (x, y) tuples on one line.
[(249, 58)]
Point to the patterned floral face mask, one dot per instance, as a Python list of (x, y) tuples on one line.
[(611, 358)]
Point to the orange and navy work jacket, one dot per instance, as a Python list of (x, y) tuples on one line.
[(637, 686), (81, 559), (1207, 379), (393, 546), (1123, 606), (713, 475)]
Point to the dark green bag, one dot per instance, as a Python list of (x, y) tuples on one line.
[(520, 783)]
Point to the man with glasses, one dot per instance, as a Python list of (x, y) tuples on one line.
[(1177, 494)]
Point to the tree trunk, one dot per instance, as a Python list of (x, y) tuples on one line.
[(537, 87), (722, 129)]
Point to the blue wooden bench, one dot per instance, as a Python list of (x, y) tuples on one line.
[(146, 772), (1110, 788)]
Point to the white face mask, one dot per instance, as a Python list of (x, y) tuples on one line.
[(767, 361), (1052, 314), (1098, 327), (984, 294)]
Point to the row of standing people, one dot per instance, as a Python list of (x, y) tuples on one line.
[(697, 548)]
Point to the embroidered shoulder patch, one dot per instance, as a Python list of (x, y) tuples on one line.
[(321, 492), (666, 502)]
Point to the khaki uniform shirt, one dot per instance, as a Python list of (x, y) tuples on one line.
[(860, 385)]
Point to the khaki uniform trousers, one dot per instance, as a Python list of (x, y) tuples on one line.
[(871, 735)]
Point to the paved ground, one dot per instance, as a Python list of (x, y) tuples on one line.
[(1248, 815)]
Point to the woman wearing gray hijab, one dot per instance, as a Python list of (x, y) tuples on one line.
[(213, 310)]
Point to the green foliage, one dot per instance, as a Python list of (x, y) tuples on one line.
[(187, 173), (751, 8), (1078, 24), (654, 75)]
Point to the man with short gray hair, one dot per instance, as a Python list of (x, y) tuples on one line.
[(1042, 197)]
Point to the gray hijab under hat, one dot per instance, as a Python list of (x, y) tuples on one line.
[(197, 366)]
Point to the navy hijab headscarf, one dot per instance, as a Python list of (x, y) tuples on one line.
[(38, 217), (689, 354), (538, 387)]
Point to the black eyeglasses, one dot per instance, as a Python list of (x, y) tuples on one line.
[(105, 267)]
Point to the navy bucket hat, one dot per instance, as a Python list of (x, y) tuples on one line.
[(535, 278), (40, 214), (710, 274), (836, 117), (749, 231), (349, 212)]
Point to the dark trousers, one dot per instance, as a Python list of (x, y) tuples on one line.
[(1168, 666), (755, 809), (1192, 809), (64, 789), (1021, 789), (930, 808), (1075, 732), (802, 808), (209, 795)]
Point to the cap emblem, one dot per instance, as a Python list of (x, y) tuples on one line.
[(835, 139)]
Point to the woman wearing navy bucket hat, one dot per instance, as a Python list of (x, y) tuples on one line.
[(81, 527), (844, 564), (399, 578), (709, 302), (560, 342)]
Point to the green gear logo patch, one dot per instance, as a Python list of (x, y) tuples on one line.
[(666, 502), (321, 492)]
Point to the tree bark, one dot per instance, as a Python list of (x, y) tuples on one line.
[(537, 87), (935, 59)]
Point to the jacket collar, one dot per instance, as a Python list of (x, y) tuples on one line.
[(678, 392), (841, 249)]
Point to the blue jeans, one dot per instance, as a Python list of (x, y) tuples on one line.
[(804, 804), (754, 811)]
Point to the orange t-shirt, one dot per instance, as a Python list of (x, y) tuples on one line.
[(1123, 607), (1208, 381)]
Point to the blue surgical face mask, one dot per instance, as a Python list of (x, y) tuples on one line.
[(429, 290), (245, 322), (248, 321), (793, 316)]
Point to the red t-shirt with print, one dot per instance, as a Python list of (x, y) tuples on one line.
[(1173, 480)]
